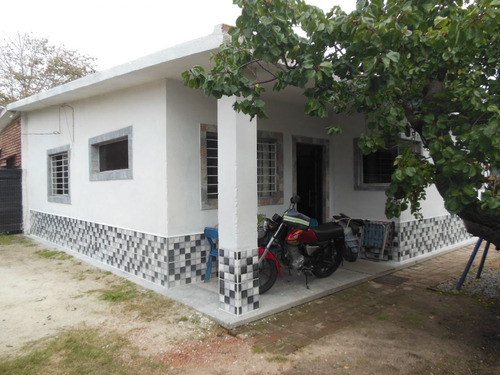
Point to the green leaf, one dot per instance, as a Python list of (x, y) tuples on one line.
[(369, 64), (397, 176), (266, 20), (393, 56), (440, 21), (410, 171), (494, 203)]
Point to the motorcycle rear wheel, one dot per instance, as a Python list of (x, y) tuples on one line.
[(327, 265), (268, 273)]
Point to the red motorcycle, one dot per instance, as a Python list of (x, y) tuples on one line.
[(289, 240)]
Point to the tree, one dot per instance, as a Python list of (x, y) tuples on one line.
[(427, 68), (29, 65)]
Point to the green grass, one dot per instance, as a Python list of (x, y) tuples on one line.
[(52, 254), (9, 239), (17, 239), (80, 352), (121, 292), (412, 319), (277, 358), (258, 349)]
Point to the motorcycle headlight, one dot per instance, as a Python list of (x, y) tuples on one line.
[(266, 224)]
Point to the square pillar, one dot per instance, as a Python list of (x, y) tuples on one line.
[(237, 187)]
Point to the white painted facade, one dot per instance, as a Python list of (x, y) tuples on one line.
[(139, 203)]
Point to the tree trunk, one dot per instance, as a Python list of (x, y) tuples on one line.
[(481, 225), (476, 221)]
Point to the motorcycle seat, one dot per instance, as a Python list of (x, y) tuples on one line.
[(327, 231)]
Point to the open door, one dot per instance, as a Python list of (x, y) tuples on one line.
[(310, 179)]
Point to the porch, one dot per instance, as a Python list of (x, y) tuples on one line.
[(290, 290)]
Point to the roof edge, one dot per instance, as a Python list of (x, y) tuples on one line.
[(199, 45)]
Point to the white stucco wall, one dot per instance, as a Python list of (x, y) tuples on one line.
[(138, 203), (186, 110)]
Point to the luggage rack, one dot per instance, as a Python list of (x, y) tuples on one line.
[(376, 238)]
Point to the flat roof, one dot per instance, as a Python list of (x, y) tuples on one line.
[(167, 63)]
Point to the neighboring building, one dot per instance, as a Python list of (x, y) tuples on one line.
[(127, 166), (10, 144)]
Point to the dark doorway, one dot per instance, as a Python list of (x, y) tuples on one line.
[(310, 179), (11, 207)]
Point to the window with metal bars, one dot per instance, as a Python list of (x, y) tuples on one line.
[(269, 167), (212, 166), (266, 168), (374, 171), (58, 175)]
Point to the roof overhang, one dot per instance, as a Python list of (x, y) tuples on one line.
[(165, 64), (168, 63)]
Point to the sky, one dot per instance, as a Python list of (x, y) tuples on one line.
[(118, 31)]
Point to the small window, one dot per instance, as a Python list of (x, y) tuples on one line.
[(212, 166), (58, 175), (111, 155), (374, 171), (378, 167), (266, 168)]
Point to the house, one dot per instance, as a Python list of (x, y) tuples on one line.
[(127, 166)]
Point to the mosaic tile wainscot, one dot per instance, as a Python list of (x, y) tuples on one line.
[(164, 261), (416, 238)]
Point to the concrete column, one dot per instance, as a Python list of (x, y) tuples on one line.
[(237, 173)]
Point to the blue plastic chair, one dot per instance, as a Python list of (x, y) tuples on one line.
[(212, 236)]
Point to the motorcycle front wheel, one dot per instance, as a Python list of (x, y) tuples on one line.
[(327, 264), (268, 274)]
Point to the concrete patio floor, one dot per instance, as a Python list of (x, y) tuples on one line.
[(289, 291)]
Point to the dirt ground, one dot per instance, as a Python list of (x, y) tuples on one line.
[(375, 328)]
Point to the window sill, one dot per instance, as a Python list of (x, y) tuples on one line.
[(371, 187), (59, 199), (122, 174)]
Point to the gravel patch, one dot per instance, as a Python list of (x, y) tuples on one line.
[(488, 286)]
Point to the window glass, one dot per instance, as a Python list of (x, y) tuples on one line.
[(269, 167), (266, 168), (378, 167), (374, 171), (113, 156), (58, 175), (212, 167)]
